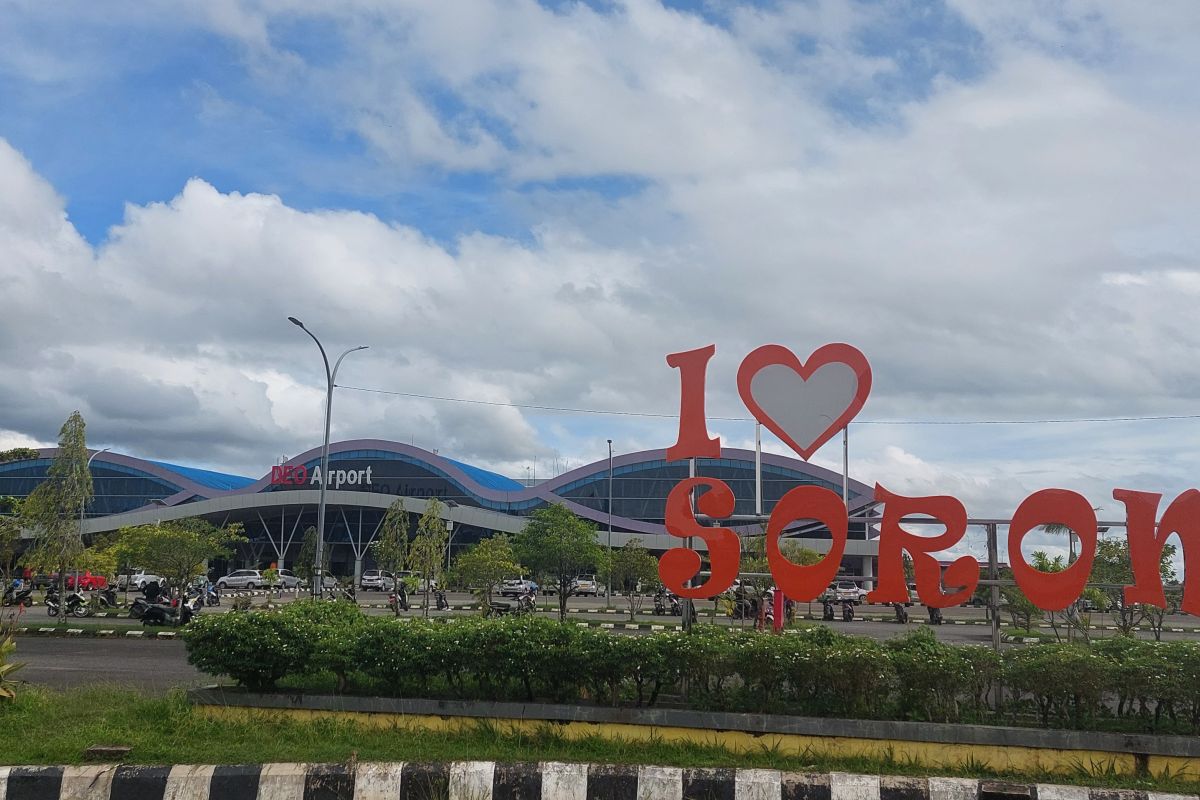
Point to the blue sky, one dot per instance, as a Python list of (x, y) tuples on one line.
[(150, 104), (534, 203)]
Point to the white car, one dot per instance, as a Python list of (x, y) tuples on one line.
[(515, 587), (584, 585), (388, 582), (242, 579), (849, 590), (138, 580)]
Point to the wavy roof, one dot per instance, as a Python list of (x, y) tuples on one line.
[(489, 488)]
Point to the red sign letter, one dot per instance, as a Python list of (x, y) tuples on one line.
[(806, 502), (894, 541), (693, 441), (1053, 591), (679, 565), (1146, 544), (276, 475)]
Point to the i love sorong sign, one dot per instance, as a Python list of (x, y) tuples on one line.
[(805, 403)]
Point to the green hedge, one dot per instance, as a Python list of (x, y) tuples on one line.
[(1114, 683)]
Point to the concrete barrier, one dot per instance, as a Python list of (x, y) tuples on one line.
[(486, 780)]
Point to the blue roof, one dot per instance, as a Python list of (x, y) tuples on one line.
[(206, 477), (490, 480)]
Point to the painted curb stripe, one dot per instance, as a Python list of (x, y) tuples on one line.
[(711, 784), (517, 782), (424, 781), (34, 783), (612, 783), (486, 780), (378, 781), (471, 779), (660, 783), (805, 786), (188, 781), (847, 786), (953, 789), (900, 788), (86, 783), (757, 784), (140, 783), (331, 782), (236, 782), (563, 781), (282, 782), (1046, 792)]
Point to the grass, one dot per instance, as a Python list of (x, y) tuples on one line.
[(48, 727)]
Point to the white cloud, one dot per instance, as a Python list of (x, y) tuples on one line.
[(1018, 245)]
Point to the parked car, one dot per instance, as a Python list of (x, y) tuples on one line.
[(515, 587), (137, 579), (848, 590), (241, 579), (389, 581), (289, 579), (375, 579), (585, 585), (87, 581)]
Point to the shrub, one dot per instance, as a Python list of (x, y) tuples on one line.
[(255, 648), (814, 672), (1067, 680), (932, 676)]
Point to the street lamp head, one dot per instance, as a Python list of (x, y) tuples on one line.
[(296, 322), (610, 441)]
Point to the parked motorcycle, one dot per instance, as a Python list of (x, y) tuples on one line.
[(18, 597), (525, 605), (164, 614), (901, 613), (935, 616), (667, 603), (398, 599), (106, 598), (827, 610), (847, 611), (76, 604), (440, 598)]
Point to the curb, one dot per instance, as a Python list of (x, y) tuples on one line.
[(487, 780)]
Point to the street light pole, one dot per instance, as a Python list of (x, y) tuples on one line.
[(318, 563), (87, 469), (608, 594)]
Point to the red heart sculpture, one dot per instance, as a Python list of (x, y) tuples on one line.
[(805, 404)]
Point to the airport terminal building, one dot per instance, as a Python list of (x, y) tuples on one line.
[(367, 475)]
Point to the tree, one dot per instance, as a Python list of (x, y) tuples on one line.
[(306, 559), (391, 548), (427, 553), (10, 535), (559, 545), (754, 559), (18, 454), (485, 565), (1114, 567), (176, 550), (52, 509), (631, 565)]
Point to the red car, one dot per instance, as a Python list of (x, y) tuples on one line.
[(87, 581)]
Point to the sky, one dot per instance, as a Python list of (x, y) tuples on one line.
[(533, 203)]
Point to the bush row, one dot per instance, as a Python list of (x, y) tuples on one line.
[(811, 672)]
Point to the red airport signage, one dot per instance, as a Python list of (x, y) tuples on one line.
[(805, 403), (298, 475)]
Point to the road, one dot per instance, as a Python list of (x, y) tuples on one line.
[(154, 666)]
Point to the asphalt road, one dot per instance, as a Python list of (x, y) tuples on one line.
[(154, 666)]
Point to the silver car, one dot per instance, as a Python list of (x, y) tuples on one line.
[(242, 579)]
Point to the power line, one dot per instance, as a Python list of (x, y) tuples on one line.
[(655, 415)]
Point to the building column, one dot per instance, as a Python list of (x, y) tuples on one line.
[(868, 571)]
